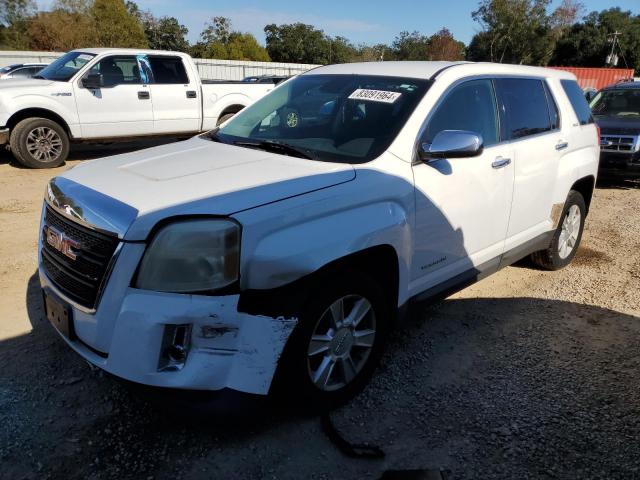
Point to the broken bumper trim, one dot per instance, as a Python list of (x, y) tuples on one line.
[(227, 349), (4, 136)]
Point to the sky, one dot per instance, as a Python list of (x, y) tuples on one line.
[(361, 21)]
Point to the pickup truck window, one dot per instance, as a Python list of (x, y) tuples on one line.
[(65, 67), (118, 70), (470, 106), (526, 108), (168, 70), (342, 118), (621, 103)]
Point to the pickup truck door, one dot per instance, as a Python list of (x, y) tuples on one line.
[(177, 106), (462, 204), (122, 107)]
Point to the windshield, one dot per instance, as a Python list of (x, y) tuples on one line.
[(343, 118), (617, 102), (65, 67)]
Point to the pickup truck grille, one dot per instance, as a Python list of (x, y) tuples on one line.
[(619, 143), (82, 278)]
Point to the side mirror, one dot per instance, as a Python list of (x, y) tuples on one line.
[(93, 81), (589, 95), (452, 144)]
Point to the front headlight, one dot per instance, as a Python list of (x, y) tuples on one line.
[(192, 256)]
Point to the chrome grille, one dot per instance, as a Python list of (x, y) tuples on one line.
[(619, 143), (79, 279)]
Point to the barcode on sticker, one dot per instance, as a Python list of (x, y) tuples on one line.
[(375, 95)]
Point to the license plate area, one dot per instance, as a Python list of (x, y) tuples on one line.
[(59, 314)]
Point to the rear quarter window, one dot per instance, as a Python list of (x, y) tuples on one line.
[(526, 107), (578, 101)]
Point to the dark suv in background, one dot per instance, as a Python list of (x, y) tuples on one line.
[(617, 113)]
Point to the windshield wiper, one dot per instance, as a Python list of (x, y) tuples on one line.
[(39, 77), (276, 147)]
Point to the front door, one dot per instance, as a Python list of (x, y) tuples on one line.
[(462, 204), (122, 107)]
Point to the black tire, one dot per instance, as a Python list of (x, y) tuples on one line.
[(550, 258), (293, 382), (224, 118), (23, 152)]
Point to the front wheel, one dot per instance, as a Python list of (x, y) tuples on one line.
[(566, 239), (333, 351), (39, 143)]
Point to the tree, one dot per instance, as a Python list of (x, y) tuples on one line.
[(14, 16), (50, 30), (514, 31), (442, 46), (218, 40), (297, 43), (165, 33), (586, 43), (115, 26), (410, 46)]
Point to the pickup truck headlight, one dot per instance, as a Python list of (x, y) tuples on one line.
[(192, 256)]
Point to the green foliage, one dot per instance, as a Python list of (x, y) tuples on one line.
[(14, 18), (165, 33), (218, 40), (514, 31), (115, 26), (585, 43), (297, 43)]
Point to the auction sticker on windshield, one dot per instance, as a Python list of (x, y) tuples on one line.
[(375, 95)]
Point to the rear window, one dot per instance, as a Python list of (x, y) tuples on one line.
[(168, 70), (526, 107), (578, 101)]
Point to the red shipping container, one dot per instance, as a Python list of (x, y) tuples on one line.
[(599, 77)]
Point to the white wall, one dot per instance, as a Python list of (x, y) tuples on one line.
[(210, 69)]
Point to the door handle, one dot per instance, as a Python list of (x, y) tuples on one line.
[(501, 162), (192, 94), (144, 95), (561, 145)]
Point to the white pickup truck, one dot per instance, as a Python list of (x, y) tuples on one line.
[(98, 94), (276, 252)]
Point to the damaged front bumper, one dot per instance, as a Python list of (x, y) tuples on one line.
[(217, 346)]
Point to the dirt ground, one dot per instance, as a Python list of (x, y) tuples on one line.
[(527, 374)]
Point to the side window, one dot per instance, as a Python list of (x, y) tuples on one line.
[(470, 106), (525, 105), (118, 70), (554, 114), (578, 102), (168, 70)]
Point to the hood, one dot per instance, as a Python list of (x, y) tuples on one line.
[(616, 125), (23, 83), (196, 176)]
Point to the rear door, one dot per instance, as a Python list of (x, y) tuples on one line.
[(176, 96), (531, 123), (122, 107)]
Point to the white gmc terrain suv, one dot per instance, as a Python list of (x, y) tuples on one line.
[(277, 251)]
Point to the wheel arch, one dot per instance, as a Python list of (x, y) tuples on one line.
[(38, 113), (380, 262), (585, 186)]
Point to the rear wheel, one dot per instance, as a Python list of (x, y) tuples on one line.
[(39, 143), (566, 239), (334, 350)]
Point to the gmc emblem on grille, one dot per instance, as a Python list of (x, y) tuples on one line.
[(61, 242)]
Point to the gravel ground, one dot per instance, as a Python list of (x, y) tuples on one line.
[(527, 374)]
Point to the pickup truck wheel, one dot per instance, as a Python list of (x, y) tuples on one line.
[(333, 351), (566, 239), (224, 118), (39, 143)]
